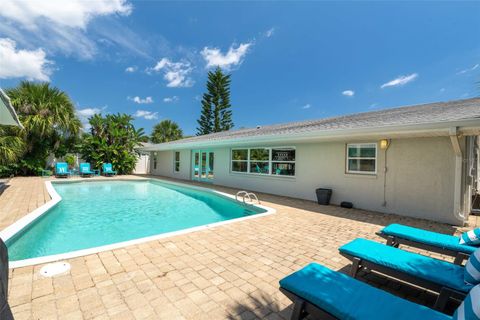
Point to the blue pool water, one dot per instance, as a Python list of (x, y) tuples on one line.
[(93, 214)]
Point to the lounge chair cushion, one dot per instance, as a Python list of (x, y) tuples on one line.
[(437, 271), (469, 309), (428, 237), (472, 268), (471, 237), (347, 298)]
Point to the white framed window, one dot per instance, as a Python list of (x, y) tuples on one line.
[(272, 161), (361, 158), (240, 160), (176, 161)]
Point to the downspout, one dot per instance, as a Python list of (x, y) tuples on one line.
[(457, 195)]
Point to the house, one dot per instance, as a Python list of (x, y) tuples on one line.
[(418, 161)]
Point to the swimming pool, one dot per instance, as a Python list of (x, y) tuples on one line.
[(93, 214)]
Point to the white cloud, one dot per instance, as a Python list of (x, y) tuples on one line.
[(171, 99), (348, 93), (307, 106), (17, 63), (269, 32), (400, 81), (148, 115), (234, 56), (469, 69), (131, 69), (177, 74), (72, 13), (137, 99), (88, 112), (62, 26), (84, 114)]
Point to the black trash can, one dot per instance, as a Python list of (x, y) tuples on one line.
[(323, 196)]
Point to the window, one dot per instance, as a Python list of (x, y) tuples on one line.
[(240, 160), (283, 162), (264, 161), (259, 161), (177, 162), (362, 158), (154, 161)]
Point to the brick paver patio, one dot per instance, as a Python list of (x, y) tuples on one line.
[(227, 272)]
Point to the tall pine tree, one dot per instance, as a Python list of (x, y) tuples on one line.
[(216, 114)]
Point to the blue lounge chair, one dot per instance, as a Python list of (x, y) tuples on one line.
[(61, 170), (85, 170), (107, 170), (445, 278), (397, 234), (327, 294)]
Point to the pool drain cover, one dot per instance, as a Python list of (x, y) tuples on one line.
[(53, 269)]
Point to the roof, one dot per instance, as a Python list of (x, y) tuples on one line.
[(438, 114), (8, 116)]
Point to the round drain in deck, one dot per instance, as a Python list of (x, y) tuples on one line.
[(53, 269)]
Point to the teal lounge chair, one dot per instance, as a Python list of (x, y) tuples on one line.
[(107, 170), (326, 294), (85, 170), (61, 170), (445, 278), (397, 234)]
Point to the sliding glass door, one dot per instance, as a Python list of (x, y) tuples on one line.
[(203, 165)]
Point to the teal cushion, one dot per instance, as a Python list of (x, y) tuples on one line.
[(472, 268), (469, 309), (347, 298), (428, 237), (471, 237), (441, 272)]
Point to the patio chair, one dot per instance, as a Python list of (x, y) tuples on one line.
[(85, 170), (107, 170), (397, 234), (326, 294), (445, 278), (61, 170)]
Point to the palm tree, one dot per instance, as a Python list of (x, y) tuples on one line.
[(48, 116), (165, 131), (12, 145)]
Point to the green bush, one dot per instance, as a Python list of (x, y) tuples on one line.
[(112, 139), (70, 160)]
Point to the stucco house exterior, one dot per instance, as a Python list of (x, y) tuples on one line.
[(419, 161)]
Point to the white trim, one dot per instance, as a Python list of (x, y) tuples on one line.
[(29, 218), (360, 145)]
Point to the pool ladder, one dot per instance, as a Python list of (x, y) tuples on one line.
[(246, 195)]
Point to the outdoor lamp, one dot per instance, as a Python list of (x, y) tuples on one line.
[(384, 143)]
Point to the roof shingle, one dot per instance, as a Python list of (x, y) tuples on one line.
[(418, 114)]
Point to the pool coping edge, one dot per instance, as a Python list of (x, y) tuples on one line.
[(23, 222)]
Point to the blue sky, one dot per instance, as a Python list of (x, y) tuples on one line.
[(289, 60)]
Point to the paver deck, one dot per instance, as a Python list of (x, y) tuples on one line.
[(227, 272)]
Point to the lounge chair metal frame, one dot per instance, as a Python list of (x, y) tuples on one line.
[(444, 293), (395, 241), (303, 308)]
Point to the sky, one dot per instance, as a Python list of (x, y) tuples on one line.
[(288, 61)]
